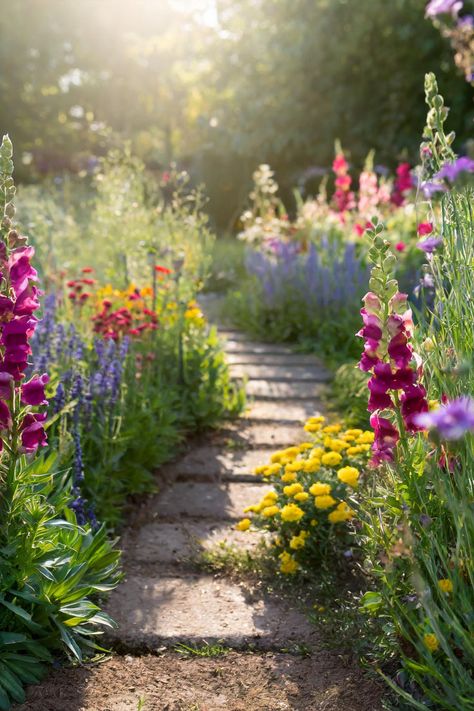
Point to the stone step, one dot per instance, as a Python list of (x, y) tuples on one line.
[(230, 334), (266, 390), (289, 359), (154, 612), (168, 542), (261, 435), (209, 463), (296, 411), (223, 501), (255, 348), (281, 373)]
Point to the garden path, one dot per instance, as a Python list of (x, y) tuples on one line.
[(170, 598)]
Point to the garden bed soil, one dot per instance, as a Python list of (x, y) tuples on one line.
[(230, 682)]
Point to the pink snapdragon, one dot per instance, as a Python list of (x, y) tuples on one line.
[(389, 357), (343, 196)]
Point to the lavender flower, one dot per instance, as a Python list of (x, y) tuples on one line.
[(430, 188), (452, 420), (451, 171), (430, 244), (443, 7)]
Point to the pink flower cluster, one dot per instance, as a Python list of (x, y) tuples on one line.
[(343, 196), (389, 357), (18, 302), (403, 184)]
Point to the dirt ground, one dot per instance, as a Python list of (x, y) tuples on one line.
[(234, 682)]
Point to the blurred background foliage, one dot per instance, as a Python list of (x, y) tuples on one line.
[(218, 86)]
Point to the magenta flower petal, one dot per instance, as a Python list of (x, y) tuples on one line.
[(32, 392), (6, 381)]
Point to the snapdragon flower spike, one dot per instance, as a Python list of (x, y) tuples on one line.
[(388, 355), (20, 427)]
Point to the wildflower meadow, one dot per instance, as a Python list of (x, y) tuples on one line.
[(236, 356)]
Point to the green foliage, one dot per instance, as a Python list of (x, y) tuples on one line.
[(349, 394), (52, 574), (419, 522)]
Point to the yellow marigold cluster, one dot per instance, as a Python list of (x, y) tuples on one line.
[(314, 485)]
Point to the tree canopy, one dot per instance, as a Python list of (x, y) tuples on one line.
[(268, 80)]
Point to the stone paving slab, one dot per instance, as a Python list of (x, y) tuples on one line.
[(175, 542), (281, 373), (278, 391), (229, 334), (288, 359), (210, 463), (296, 411), (259, 435), (255, 348), (153, 612), (224, 501)]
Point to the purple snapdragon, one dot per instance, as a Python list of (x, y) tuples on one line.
[(451, 171), (430, 244), (452, 420), (443, 7)]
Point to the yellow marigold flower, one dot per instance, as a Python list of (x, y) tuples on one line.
[(276, 457), (312, 465), (331, 459), (292, 489), (297, 542), (294, 466), (332, 429), (348, 437), (316, 420), (254, 508), (364, 447), (312, 427), (301, 496), (270, 511), (337, 517), (354, 432), (337, 446), (366, 437), (272, 495), (291, 451), (288, 476), (431, 642), (313, 522), (261, 470), (445, 585), (316, 452), (319, 489), (349, 476), (291, 512), (324, 502), (243, 525), (355, 450), (288, 564), (305, 445), (273, 469)]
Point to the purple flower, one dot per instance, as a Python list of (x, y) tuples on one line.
[(430, 244), (443, 7), (451, 171), (466, 21), (430, 188), (452, 420)]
